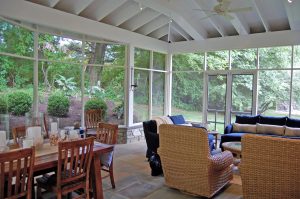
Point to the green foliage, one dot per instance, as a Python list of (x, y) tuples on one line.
[(19, 103), (66, 84), (96, 103), (58, 105), (119, 110), (3, 105)]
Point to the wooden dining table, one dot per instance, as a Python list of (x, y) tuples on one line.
[(46, 159)]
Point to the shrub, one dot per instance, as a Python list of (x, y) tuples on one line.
[(58, 105), (96, 103), (19, 103), (3, 106)]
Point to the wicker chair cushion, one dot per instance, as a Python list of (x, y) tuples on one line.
[(294, 132), (246, 119), (245, 128), (270, 129)]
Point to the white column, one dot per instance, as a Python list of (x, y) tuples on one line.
[(168, 85), (83, 67), (150, 84), (129, 70), (35, 105), (205, 92)]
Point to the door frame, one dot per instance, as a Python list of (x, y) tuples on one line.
[(228, 100)]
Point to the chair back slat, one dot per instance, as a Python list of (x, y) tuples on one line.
[(92, 117), (74, 162), (16, 173), (107, 133)]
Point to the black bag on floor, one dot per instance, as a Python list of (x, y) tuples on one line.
[(155, 165)]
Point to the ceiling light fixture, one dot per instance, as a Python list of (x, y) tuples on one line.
[(290, 1)]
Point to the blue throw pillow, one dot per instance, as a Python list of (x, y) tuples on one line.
[(295, 123), (177, 119), (272, 120), (246, 119)]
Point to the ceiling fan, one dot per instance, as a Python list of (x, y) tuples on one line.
[(222, 9)]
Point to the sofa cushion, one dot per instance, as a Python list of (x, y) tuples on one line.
[(177, 119), (272, 120), (246, 119), (293, 132), (269, 129), (293, 122), (247, 128)]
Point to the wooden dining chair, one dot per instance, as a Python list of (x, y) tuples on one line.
[(107, 134), (91, 120), (73, 170), (16, 171), (18, 132)]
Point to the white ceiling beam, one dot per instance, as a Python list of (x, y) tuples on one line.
[(153, 25), (177, 28), (160, 32), (211, 20), (163, 7), (41, 15), (259, 11), (292, 11), (259, 40), (49, 3), (73, 6), (141, 19), (123, 13), (240, 24), (101, 8)]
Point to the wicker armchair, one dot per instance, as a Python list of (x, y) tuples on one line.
[(187, 163), (270, 167)]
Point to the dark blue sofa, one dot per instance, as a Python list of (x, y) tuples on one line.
[(230, 136)]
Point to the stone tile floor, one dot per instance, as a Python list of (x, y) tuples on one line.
[(133, 179)]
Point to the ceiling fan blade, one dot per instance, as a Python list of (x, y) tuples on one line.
[(228, 17), (201, 10), (240, 9), (208, 16)]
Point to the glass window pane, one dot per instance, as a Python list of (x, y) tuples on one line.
[(141, 58), (141, 96), (243, 59), (187, 93), (295, 112), (15, 39), (218, 60), (106, 83), (159, 61), (16, 75), (158, 93), (275, 57), (188, 62), (114, 55), (274, 93), (52, 47), (296, 56)]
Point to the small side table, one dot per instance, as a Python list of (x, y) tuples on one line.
[(235, 148), (215, 134)]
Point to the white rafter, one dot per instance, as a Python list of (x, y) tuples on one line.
[(153, 25), (180, 31), (260, 14), (292, 11), (123, 13), (73, 6), (240, 24), (101, 8), (160, 32), (163, 7), (141, 19), (49, 3)]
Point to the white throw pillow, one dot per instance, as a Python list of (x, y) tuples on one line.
[(270, 129), (289, 131), (247, 128)]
